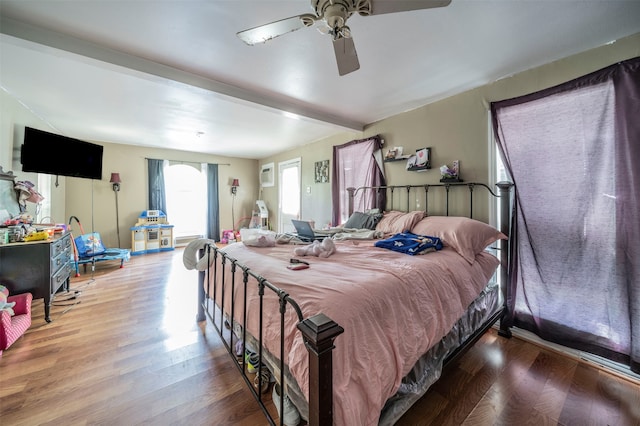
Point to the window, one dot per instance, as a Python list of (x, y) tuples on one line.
[(571, 150), (186, 195), (497, 173), (355, 164)]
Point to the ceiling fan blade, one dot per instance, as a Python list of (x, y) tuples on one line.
[(264, 33), (379, 7), (346, 55)]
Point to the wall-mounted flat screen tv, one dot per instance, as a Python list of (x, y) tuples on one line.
[(44, 152)]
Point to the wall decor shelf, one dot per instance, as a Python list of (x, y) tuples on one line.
[(421, 161), (422, 168), (418, 162)]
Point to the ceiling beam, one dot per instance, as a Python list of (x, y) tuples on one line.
[(95, 51)]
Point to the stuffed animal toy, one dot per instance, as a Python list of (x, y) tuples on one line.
[(308, 250), (4, 305), (319, 249)]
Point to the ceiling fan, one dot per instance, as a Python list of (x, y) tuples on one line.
[(333, 15)]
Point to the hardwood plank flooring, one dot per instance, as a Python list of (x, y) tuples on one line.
[(126, 350)]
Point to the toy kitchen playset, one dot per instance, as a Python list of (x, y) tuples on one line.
[(152, 233)]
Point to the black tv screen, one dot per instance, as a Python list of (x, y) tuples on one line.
[(44, 152)]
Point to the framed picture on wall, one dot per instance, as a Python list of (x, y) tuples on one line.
[(322, 171), (391, 154), (423, 157)]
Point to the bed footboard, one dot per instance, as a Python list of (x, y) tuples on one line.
[(318, 331)]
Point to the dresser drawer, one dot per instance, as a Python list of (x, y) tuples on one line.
[(60, 260), (59, 278), (60, 245)]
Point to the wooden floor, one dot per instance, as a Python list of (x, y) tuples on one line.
[(127, 351)]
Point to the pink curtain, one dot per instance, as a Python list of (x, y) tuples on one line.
[(573, 152), (355, 164)]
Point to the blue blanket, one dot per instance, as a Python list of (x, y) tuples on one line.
[(409, 243)]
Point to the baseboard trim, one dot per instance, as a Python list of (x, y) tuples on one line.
[(612, 367), (184, 240)]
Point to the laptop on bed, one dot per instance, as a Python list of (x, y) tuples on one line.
[(305, 232)]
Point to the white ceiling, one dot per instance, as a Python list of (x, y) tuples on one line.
[(173, 74)]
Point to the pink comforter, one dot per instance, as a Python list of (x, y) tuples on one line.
[(392, 306)]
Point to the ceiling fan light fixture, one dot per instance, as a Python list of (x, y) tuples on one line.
[(324, 29), (334, 15)]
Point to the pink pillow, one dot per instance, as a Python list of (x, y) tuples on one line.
[(394, 222), (468, 237)]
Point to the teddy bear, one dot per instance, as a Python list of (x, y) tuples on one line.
[(319, 249)]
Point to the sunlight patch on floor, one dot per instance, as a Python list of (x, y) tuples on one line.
[(180, 302)]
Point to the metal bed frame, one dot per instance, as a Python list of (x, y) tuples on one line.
[(319, 331)]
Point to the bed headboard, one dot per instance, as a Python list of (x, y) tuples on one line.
[(399, 197), (417, 197)]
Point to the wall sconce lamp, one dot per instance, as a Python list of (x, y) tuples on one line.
[(115, 182), (115, 185), (234, 190)]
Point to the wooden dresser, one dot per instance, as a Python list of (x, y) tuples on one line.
[(38, 267)]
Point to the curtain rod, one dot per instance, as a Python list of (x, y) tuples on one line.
[(187, 162)]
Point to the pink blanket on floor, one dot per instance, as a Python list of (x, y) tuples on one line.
[(393, 308)]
